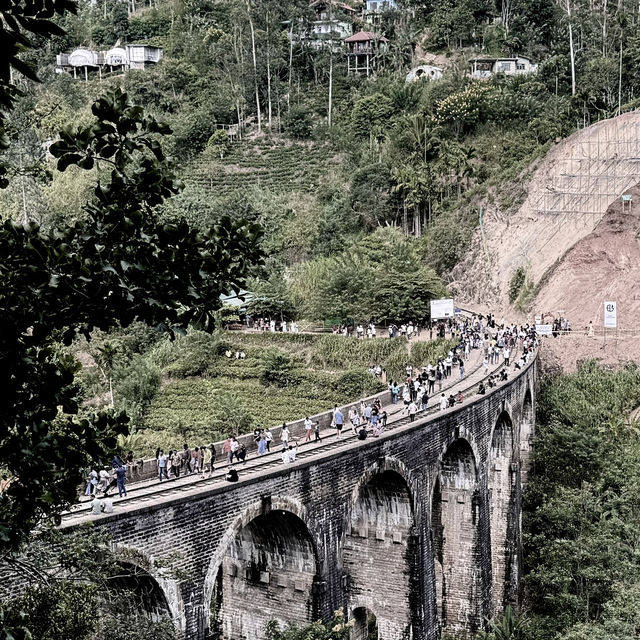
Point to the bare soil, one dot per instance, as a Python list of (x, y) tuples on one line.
[(575, 262)]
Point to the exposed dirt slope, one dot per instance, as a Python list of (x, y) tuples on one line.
[(605, 265), (568, 195), (577, 242)]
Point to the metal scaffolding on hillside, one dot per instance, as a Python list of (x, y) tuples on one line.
[(599, 169)]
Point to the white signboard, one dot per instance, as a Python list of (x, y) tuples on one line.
[(543, 329), (610, 315), (442, 308)]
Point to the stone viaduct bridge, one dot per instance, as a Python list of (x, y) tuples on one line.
[(419, 527)]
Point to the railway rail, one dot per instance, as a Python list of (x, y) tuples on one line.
[(148, 492)]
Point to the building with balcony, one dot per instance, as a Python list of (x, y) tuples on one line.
[(132, 56), (332, 23), (373, 10), (363, 51)]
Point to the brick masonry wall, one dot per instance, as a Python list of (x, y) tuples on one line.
[(325, 492), (501, 484)]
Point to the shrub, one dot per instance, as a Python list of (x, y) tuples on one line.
[(135, 387), (299, 124), (219, 142), (338, 352), (194, 354), (232, 417), (357, 383), (423, 353), (279, 369), (516, 283)]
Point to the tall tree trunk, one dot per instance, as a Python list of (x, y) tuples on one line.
[(330, 65), (604, 28), (572, 54), (620, 78), (290, 65), (255, 66), (269, 107)]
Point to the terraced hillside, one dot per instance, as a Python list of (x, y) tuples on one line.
[(276, 165)]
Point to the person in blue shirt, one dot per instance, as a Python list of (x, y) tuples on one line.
[(121, 479)]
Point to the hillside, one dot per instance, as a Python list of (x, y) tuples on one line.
[(275, 165), (572, 241)]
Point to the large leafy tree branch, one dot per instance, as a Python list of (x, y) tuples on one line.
[(20, 20), (120, 263)]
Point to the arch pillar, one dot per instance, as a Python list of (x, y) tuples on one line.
[(455, 523)]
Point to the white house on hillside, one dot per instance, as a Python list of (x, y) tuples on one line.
[(333, 22), (373, 9), (131, 56), (486, 67)]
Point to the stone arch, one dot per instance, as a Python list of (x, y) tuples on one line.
[(502, 482), (365, 624), (266, 567), (455, 514), (527, 430), (147, 589), (380, 541)]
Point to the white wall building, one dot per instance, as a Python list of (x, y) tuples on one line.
[(424, 72), (131, 56), (486, 67)]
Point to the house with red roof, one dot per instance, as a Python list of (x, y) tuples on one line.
[(363, 51)]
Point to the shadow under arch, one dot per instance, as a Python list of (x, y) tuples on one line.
[(158, 596), (502, 480), (527, 432), (365, 624), (454, 528), (379, 541), (265, 567)]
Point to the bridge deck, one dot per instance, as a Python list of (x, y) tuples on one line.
[(150, 494)]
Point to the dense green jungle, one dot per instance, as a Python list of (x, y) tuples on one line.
[(248, 159)]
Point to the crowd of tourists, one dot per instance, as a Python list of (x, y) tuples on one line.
[(501, 345), (272, 325)]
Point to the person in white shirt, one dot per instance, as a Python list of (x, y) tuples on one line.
[(96, 506), (107, 506), (292, 453), (443, 402), (308, 428)]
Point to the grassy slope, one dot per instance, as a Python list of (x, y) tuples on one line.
[(275, 166), (202, 408)]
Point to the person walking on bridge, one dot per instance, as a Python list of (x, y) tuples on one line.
[(162, 466), (207, 466), (338, 418), (226, 449), (187, 457)]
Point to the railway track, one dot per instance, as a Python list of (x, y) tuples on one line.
[(151, 491)]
